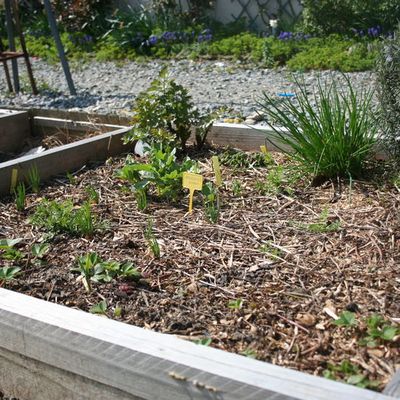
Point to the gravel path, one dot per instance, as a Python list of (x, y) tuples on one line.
[(112, 87)]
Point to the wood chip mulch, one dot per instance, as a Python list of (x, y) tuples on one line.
[(289, 281)]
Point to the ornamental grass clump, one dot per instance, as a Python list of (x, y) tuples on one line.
[(330, 134)]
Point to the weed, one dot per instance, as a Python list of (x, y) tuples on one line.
[(235, 304), (211, 202), (324, 225), (347, 319), (99, 308), (236, 188), (250, 353), (71, 179), (117, 312), (8, 252), (141, 199), (237, 159), (92, 194), (206, 341), (40, 250), (378, 330), (20, 196), (34, 179), (270, 250), (60, 217), (331, 138), (151, 239), (278, 180), (8, 273), (350, 373)]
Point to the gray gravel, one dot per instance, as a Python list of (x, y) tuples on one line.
[(112, 87)]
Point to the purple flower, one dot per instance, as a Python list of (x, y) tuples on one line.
[(153, 39)]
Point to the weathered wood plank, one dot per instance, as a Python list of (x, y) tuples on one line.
[(144, 364), (65, 158), (393, 387), (14, 130)]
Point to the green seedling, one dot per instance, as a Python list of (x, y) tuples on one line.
[(349, 373), (347, 319), (20, 196), (235, 304), (151, 239), (237, 159), (141, 199), (71, 179), (236, 188), (92, 194), (206, 341), (250, 353), (99, 308), (270, 250), (8, 252), (8, 273), (323, 225), (117, 312), (211, 202), (378, 330), (40, 250), (33, 178), (64, 217)]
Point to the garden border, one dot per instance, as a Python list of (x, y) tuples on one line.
[(95, 357)]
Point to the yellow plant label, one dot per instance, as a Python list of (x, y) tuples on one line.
[(14, 177), (217, 170), (192, 182), (264, 149)]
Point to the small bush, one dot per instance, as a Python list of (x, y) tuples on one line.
[(165, 113), (388, 78), (331, 134), (341, 16)]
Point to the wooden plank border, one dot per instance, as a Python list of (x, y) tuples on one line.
[(112, 357), (69, 157)]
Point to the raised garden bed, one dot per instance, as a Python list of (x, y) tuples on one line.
[(68, 145), (268, 280)]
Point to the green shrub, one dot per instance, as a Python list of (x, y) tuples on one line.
[(334, 53), (165, 113), (388, 79), (341, 16), (331, 134)]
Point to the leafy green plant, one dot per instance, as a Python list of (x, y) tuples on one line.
[(378, 330), (34, 179), (99, 308), (241, 160), (59, 217), (8, 251), (323, 225), (347, 319), (211, 202), (272, 251), (349, 373), (151, 239), (71, 179), (249, 352), (165, 113), (39, 250), (8, 273), (163, 172), (331, 138), (93, 268), (20, 196)]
